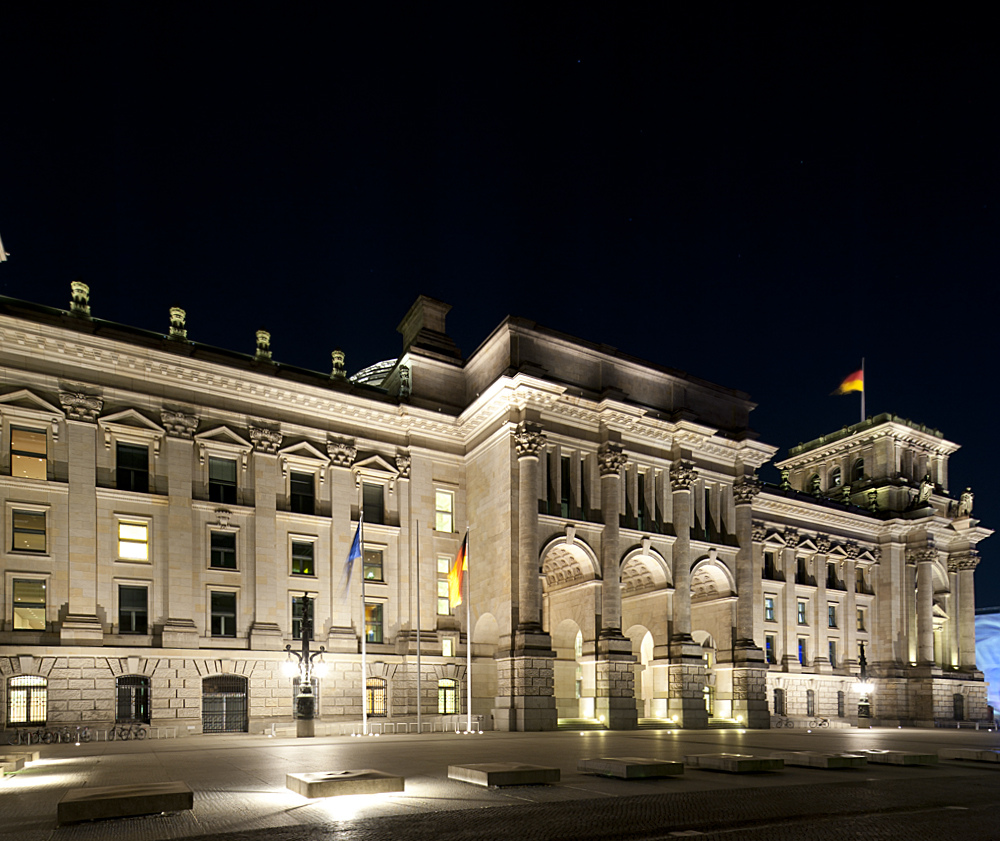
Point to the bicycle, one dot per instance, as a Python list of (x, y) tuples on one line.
[(124, 732), (82, 734), (819, 722), (783, 721)]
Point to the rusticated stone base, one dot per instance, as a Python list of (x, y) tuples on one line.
[(525, 684), (750, 688), (615, 699), (686, 685)]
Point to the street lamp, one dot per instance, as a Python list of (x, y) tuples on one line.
[(305, 701), (865, 686)]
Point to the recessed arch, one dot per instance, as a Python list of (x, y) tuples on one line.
[(711, 579), (567, 563), (643, 571)]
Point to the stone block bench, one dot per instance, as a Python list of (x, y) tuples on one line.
[(734, 763), (820, 759), (899, 757), (971, 754), (100, 802), (10, 764), (337, 783), (503, 774), (630, 767)]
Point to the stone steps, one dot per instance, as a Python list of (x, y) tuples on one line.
[(580, 724)]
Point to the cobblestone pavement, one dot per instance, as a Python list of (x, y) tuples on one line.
[(239, 784)]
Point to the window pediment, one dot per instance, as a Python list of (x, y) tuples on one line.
[(375, 467), (27, 407), (222, 441), (303, 455), (131, 426)]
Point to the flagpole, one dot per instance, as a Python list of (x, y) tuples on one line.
[(863, 389), (468, 630), (364, 630), (418, 628)]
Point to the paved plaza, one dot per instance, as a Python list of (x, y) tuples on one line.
[(239, 785)]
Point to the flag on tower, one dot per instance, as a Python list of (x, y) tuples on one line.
[(455, 574), (855, 382)]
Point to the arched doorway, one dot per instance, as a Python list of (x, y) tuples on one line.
[(224, 704), (568, 679)]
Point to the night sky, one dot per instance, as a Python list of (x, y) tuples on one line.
[(760, 197)]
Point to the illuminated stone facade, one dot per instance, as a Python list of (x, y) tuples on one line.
[(167, 505)]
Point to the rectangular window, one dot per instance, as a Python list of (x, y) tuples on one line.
[(833, 652), (447, 647), (831, 615), (640, 502), (28, 531), (769, 651), (861, 618), (132, 610), (303, 493), (443, 603), (132, 468), (223, 614), (29, 604), (298, 612), (373, 500), (802, 650), (27, 453), (133, 541), (802, 613), (801, 572), (768, 608), (223, 554), (565, 484), (444, 511), (859, 580), (831, 576), (769, 565), (373, 565), (303, 554), (373, 622), (222, 480)]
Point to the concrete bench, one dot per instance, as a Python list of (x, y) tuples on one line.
[(336, 783), (503, 774), (100, 802), (819, 759), (26, 755), (898, 757), (971, 754), (734, 763), (630, 767), (10, 764)]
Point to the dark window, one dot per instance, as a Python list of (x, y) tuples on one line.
[(779, 701), (377, 697), (223, 555), (769, 649), (835, 478), (29, 604), (133, 699), (27, 453), (303, 498), (640, 503), (222, 480), (27, 700), (303, 553), (769, 565), (223, 614), (373, 622), (298, 614), (769, 608), (801, 572), (132, 468), (373, 565), (841, 704), (958, 702), (831, 616), (859, 580), (858, 470), (28, 529), (810, 702), (831, 576), (802, 650), (224, 704), (132, 610), (584, 496), (832, 645), (374, 505), (565, 485)]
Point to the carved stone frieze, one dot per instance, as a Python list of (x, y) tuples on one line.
[(342, 452), (758, 533), (265, 440), (823, 543), (529, 439), (179, 424), (792, 537), (79, 406), (922, 556), (745, 489), (403, 464), (224, 515), (682, 476), (852, 550)]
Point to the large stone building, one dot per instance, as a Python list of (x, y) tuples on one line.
[(167, 505)]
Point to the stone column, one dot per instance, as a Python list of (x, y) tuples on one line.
[(851, 609), (749, 668), (270, 564), (525, 676), (615, 673), (790, 625), (344, 597), (965, 564), (81, 626), (924, 558), (686, 673), (821, 621), (179, 630)]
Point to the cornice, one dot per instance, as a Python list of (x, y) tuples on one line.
[(892, 429)]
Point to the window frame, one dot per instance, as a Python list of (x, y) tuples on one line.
[(41, 685), (212, 533), (365, 564), (12, 577), (133, 520), (298, 596), (443, 594), (148, 472), (379, 608), (769, 615), (16, 508), (450, 495), (448, 692), (120, 585), (305, 477), (233, 487), (801, 612), (223, 591), (771, 649), (303, 539), (377, 514), (831, 615), (12, 453)]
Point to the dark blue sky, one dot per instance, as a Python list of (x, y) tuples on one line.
[(759, 197)]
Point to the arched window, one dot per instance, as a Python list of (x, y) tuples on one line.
[(835, 478), (132, 699), (377, 697), (858, 470), (447, 697), (27, 700), (810, 702), (779, 701), (224, 704)]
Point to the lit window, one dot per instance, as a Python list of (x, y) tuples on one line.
[(223, 614), (373, 622), (373, 501), (444, 511), (802, 650), (222, 480), (27, 700), (28, 528), (861, 619), (29, 604), (223, 553), (133, 610), (377, 697), (802, 613), (443, 603), (373, 565), (769, 651), (133, 541), (27, 453), (447, 647), (303, 553), (769, 608), (132, 468), (303, 493), (447, 697), (831, 615)]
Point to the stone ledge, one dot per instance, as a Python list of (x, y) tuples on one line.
[(630, 767), (101, 802), (336, 783), (734, 763), (821, 759), (503, 774), (971, 754), (899, 757)]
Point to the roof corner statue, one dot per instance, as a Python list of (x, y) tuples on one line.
[(186, 512)]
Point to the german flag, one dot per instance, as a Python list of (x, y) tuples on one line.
[(855, 382), (455, 574)]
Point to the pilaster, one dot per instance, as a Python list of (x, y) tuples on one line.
[(749, 667), (269, 559)]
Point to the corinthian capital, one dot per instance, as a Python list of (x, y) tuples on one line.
[(745, 489), (758, 532), (179, 424), (529, 439), (342, 453), (852, 550), (682, 475), (792, 537), (79, 406), (610, 459), (265, 440), (963, 561), (823, 544), (921, 556)]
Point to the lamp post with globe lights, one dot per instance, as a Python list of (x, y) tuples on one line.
[(309, 665), (864, 686)]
